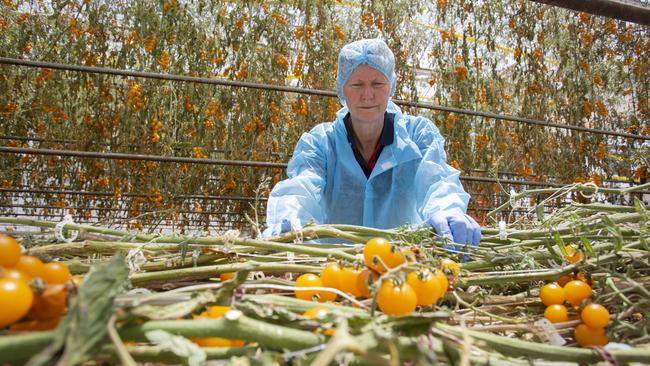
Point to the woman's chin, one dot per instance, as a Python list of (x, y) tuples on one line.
[(368, 116)]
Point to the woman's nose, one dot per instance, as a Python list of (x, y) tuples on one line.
[(367, 92)]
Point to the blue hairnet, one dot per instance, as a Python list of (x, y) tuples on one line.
[(372, 52)]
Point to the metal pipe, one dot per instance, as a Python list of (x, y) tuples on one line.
[(38, 139), (122, 156), (629, 11), (116, 209), (101, 218), (91, 193)]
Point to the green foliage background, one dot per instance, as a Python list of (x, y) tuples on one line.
[(510, 57)]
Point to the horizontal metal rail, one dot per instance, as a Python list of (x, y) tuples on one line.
[(629, 11), (177, 147), (106, 194), (289, 89), (123, 156), (79, 220), (117, 209)]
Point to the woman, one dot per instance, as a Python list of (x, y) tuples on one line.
[(373, 166)]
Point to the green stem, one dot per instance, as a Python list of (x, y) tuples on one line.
[(87, 228), (569, 228), (601, 207), (195, 273), (366, 231), (546, 275), (296, 248), (19, 347), (87, 247), (120, 349), (610, 282), (243, 327), (22, 346), (551, 240), (175, 262), (219, 240), (577, 188), (517, 348), (164, 356), (321, 231), (298, 305), (537, 255)]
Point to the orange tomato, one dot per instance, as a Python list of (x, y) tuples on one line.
[(216, 311), (35, 324), (16, 298), (556, 313), (442, 281), (331, 276), (16, 274), (30, 265), (586, 278), (307, 280), (325, 296), (349, 280), (576, 291), (587, 336), (595, 316), (395, 258), (50, 304), (552, 294), (9, 251), (396, 300), (364, 279), (564, 279), (316, 313), (319, 313), (378, 248), (226, 276), (212, 342), (450, 266), (56, 273), (237, 342), (574, 254), (426, 286)]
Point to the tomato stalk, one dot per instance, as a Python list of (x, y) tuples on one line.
[(241, 327), (551, 274), (563, 190), (516, 347), (202, 272)]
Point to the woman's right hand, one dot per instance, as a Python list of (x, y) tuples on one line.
[(278, 229)]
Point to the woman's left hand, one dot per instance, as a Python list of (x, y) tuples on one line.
[(457, 227)]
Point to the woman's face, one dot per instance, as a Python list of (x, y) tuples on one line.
[(366, 94)]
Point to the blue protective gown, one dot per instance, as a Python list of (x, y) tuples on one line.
[(410, 181)]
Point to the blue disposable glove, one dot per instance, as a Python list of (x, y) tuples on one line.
[(458, 227), (278, 229)]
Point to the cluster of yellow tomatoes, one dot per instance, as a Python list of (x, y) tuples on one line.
[(576, 291), (396, 295), (31, 289)]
